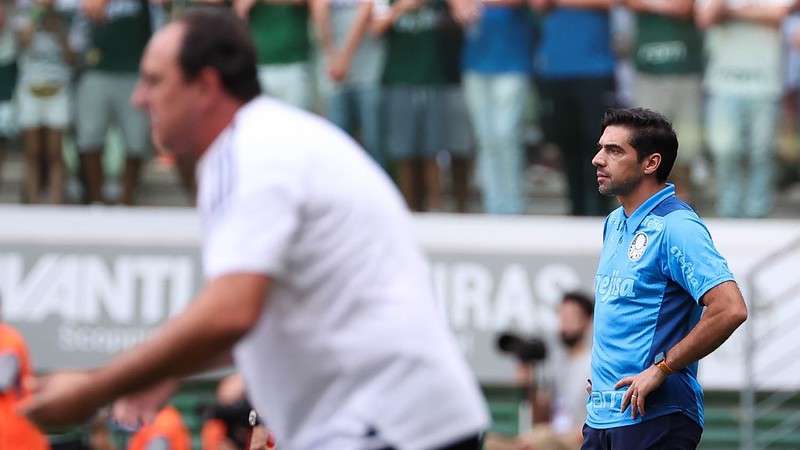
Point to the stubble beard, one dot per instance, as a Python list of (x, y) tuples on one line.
[(620, 189)]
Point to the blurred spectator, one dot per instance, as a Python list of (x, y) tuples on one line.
[(166, 432), (350, 66), (623, 31), (744, 81), (575, 67), (668, 56), (414, 75), (16, 432), (497, 64), (280, 31), (8, 80), (789, 174), (458, 139), (43, 98), (118, 32), (560, 403)]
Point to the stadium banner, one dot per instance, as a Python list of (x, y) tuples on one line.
[(82, 284)]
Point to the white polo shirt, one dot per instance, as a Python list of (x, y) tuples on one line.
[(351, 351)]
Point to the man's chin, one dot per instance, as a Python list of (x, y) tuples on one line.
[(605, 191)]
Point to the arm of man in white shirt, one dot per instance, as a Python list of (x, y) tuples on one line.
[(227, 308)]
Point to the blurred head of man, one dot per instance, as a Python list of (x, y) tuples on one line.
[(575, 318), (195, 73)]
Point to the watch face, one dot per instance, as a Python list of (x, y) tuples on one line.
[(659, 357)]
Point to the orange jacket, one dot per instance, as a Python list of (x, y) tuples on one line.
[(169, 426), (213, 434), (16, 432)]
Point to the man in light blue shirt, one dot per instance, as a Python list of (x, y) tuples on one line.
[(658, 270)]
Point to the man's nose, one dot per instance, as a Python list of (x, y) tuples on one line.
[(138, 96), (598, 161)]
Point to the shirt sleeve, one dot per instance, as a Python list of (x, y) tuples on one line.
[(690, 258), (253, 231)]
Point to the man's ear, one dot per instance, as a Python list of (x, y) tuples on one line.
[(652, 163), (210, 83)]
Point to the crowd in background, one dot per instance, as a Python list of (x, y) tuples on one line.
[(430, 86)]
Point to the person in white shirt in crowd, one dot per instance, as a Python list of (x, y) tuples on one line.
[(350, 64), (743, 79), (559, 396), (43, 97), (314, 277)]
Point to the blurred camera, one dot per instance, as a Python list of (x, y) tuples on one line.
[(526, 350)]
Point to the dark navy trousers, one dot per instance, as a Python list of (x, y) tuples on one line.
[(670, 432)]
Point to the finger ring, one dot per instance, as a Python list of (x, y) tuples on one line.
[(635, 395)]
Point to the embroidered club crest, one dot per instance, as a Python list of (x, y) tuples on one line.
[(638, 246)]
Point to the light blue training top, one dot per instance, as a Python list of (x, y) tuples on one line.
[(654, 269)]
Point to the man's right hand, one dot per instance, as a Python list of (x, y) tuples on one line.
[(62, 398)]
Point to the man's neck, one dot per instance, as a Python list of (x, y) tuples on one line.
[(646, 189), (215, 123)]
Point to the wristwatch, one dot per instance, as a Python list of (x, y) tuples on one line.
[(661, 363)]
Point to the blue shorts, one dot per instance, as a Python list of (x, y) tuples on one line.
[(670, 432), (415, 122)]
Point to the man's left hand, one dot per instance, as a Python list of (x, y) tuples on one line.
[(639, 387), (63, 398)]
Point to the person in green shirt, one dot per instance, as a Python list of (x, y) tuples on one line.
[(118, 32), (668, 58), (280, 31), (414, 76)]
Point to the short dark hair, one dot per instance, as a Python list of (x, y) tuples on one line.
[(582, 300), (216, 38), (650, 133)]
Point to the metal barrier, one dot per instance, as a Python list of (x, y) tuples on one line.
[(754, 408)]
